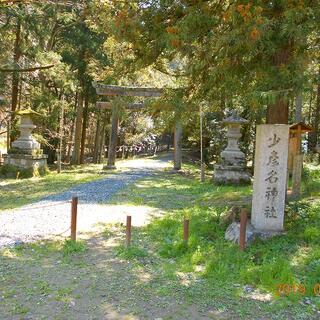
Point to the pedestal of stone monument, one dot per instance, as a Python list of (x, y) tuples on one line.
[(232, 167), (26, 161), (25, 152)]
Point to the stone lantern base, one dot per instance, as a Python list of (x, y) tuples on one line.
[(224, 174), (25, 156), (36, 163)]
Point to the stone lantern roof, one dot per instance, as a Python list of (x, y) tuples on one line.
[(27, 112), (235, 119)]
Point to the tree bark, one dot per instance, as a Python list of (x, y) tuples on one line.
[(298, 117), (278, 112), (102, 142), (84, 128), (78, 129), (177, 145), (314, 135), (15, 75), (71, 133), (97, 141)]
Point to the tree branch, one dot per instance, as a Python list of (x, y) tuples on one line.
[(27, 69)]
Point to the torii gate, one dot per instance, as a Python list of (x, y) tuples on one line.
[(122, 91)]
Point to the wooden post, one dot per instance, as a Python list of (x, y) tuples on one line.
[(74, 212), (128, 231), (297, 167), (186, 230), (243, 228), (113, 138), (177, 146)]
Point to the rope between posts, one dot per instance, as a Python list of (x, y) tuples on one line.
[(44, 206), (60, 234)]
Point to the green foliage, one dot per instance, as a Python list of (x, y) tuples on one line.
[(311, 180), (235, 48), (71, 247), (131, 252)]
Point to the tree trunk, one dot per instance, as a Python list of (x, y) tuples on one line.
[(278, 112), (78, 129), (177, 145), (15, 75), (71, 133), (298, 117), (102, 142), (84, 128), (97, 141), (314, 135)]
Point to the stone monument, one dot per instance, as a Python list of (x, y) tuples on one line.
[(232, 168), (25, 152), (270, 177)]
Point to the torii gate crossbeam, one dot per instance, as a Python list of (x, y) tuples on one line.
[(123, 91)]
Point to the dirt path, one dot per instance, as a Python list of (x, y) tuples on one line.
[(51, 216)]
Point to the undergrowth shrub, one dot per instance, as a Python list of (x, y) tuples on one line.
[(264, 264), (72, 247), (311, 180), (130, 252)]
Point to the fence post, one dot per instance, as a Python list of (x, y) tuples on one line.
[(186, 230), (243, 227), (128, 231), (74, 212)]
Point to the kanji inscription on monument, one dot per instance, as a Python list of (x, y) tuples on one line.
[(270, 177)]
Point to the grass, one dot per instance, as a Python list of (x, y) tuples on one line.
[(161, 276), (292, 259), (130, 252), (16, 193), (72, 247)]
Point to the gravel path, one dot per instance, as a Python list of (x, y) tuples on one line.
[(50, 216)]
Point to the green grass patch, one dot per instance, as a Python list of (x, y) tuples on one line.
[(131, 252), (19, 192), (71, 247), (292, 258)]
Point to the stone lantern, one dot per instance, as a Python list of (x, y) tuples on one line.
[(232, 168), (25, 152)]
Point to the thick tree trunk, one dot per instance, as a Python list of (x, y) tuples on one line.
[(316, 119), (278, 112), (78, 129), (113, 138), (84, 128)]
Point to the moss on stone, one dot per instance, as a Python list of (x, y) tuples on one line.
[(13, 172)]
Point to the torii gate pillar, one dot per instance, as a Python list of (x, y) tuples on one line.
[(113, 139)]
